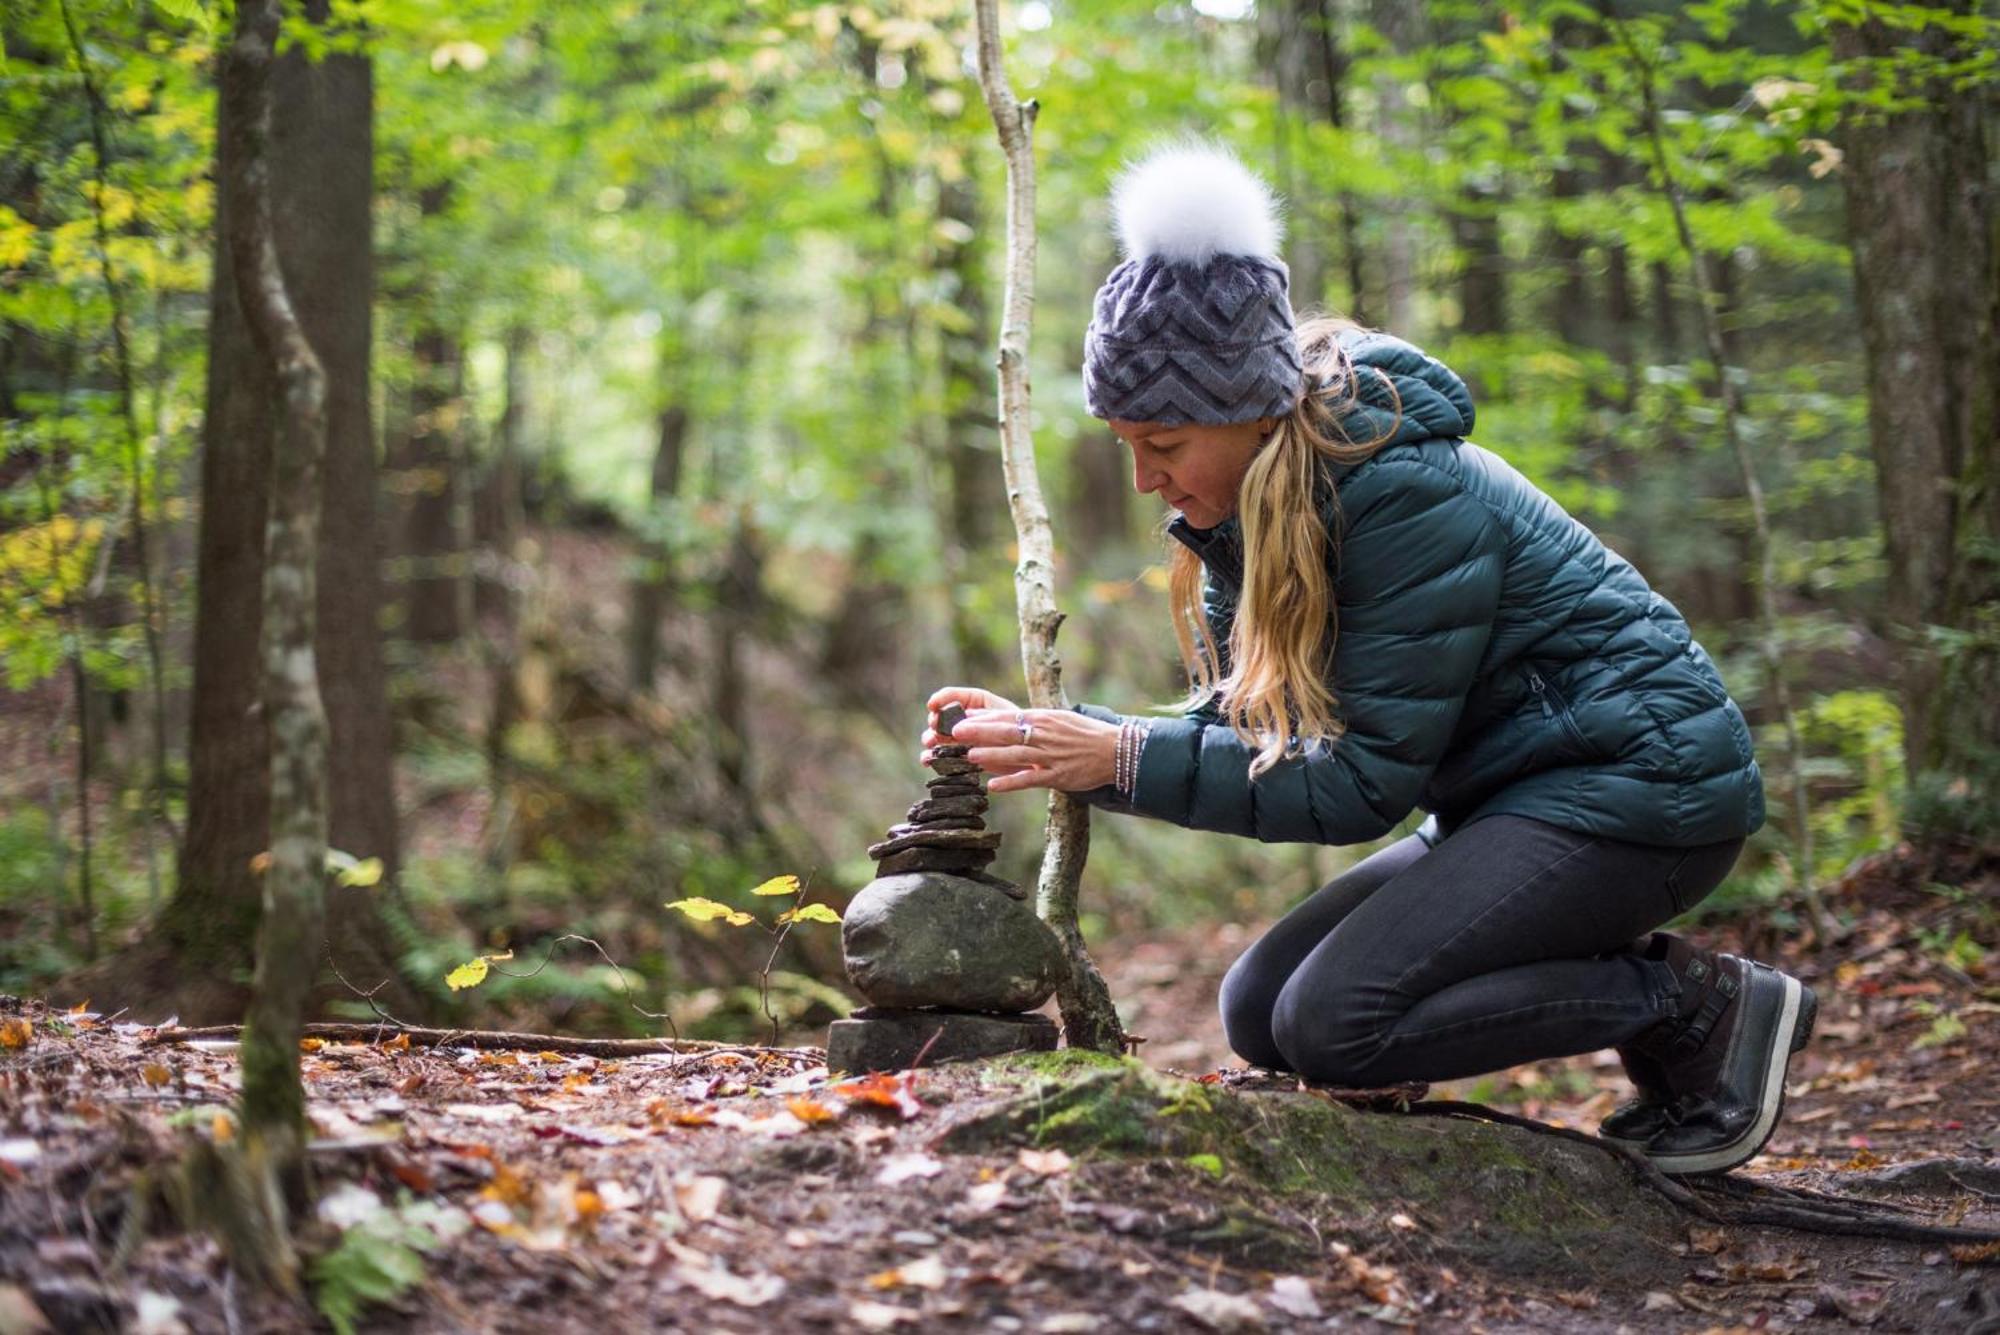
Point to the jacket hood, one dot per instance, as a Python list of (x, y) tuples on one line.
[(1391, 374)]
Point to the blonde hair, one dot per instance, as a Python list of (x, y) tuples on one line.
[(1276, 694)]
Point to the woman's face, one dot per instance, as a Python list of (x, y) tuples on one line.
[(1197, 469)]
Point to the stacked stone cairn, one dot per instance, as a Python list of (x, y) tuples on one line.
[(950, 956)]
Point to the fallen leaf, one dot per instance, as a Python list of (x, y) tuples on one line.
[(1975, 1253), (1657, 1301), (1044, 1163), (869, 1315), (1706, 1241), (1402, 1223), (924, 1273), (222, 1128), (810, 1111), (1293, 1295), (986, 1196), (400, 1043), (16, 1033), (1221, 1311), (699, 1197), (721, 1284), (882, 1090), (1068, 1323), (311, 1044), (903, 1167), (155, 1074)]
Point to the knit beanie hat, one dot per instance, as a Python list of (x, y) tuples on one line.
[(1195, 325)]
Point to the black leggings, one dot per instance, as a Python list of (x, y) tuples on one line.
[(1511, 941)]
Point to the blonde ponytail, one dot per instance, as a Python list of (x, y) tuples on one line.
[(1276, 694)]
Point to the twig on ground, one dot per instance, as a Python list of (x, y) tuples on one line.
[(488, 1040)]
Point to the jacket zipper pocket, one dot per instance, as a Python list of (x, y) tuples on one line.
[(1554, 707)]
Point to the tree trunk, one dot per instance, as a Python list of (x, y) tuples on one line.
[(1089, 1019), (652, 589), (977, 494), (1399, 23), (321, 160), (274, 1112), (432, 463), (1921, 224)]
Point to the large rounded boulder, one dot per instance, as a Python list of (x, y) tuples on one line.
[(930, 939)]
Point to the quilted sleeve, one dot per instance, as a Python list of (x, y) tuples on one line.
[(1417, 586)]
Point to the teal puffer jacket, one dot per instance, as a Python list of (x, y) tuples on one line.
[(1492, 656)]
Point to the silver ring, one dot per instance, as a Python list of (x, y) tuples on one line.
[(1027, 728)]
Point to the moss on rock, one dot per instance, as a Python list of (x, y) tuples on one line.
[(1494, 1195)]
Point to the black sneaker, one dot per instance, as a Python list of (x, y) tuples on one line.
[(1645, 1115), (1726, 1057)]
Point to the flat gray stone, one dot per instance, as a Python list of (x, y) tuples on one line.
[(962, 861), (929, 939), (956, 786), (942, 823), (939, 808), (929, 838), (881, 1039)]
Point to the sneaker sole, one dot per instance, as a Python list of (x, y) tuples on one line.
[(1794, 1030)]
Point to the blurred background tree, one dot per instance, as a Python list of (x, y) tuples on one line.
[(663, 481)]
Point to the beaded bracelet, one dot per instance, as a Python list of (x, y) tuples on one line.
[(1125, 758)]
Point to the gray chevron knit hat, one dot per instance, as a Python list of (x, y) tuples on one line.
[(1195, 325)]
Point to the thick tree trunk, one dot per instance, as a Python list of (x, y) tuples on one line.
[(1400, 24), (321, 159), (977, 494), (1921, 224)]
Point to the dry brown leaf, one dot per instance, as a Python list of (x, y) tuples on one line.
[(1045, 1163), (870, 1315), (155, 1074), (700, 1197)]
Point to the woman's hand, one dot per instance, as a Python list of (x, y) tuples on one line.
[(1031, 748)]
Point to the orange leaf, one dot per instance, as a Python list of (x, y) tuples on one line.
[(81, 1007), (883, 1091), (810, 1111), (572, 1083), (400, 1043), (508, 1187), (311, 1044), (155, 1074), (15, 1033), (589, 1205), (222, 1128)]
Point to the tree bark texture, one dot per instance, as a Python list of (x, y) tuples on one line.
[(1089, 1019), (436, 590), (320, 179), (1921, 226), (289, 928), (653, 588)]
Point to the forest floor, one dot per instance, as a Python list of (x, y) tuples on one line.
[(741, 1189)]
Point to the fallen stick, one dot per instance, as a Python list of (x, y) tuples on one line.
[(491, 1040)]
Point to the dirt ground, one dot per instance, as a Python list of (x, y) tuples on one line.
[(741, 1190)]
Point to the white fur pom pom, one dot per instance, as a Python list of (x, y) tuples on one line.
[(1190, 202)]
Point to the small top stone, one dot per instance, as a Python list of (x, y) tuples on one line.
[(950, 717)]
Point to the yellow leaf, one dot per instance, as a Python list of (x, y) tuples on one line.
[(15, 1033), (707, 910), (473, 972), (155, 1074), (364, 873), (400, 1043), (778, 885), (81, 1007), (311, 1044), (810, 1111), (222, 1129), (261, 863), (809, 913)]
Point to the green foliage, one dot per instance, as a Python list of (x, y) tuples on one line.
[(376, 1261)]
